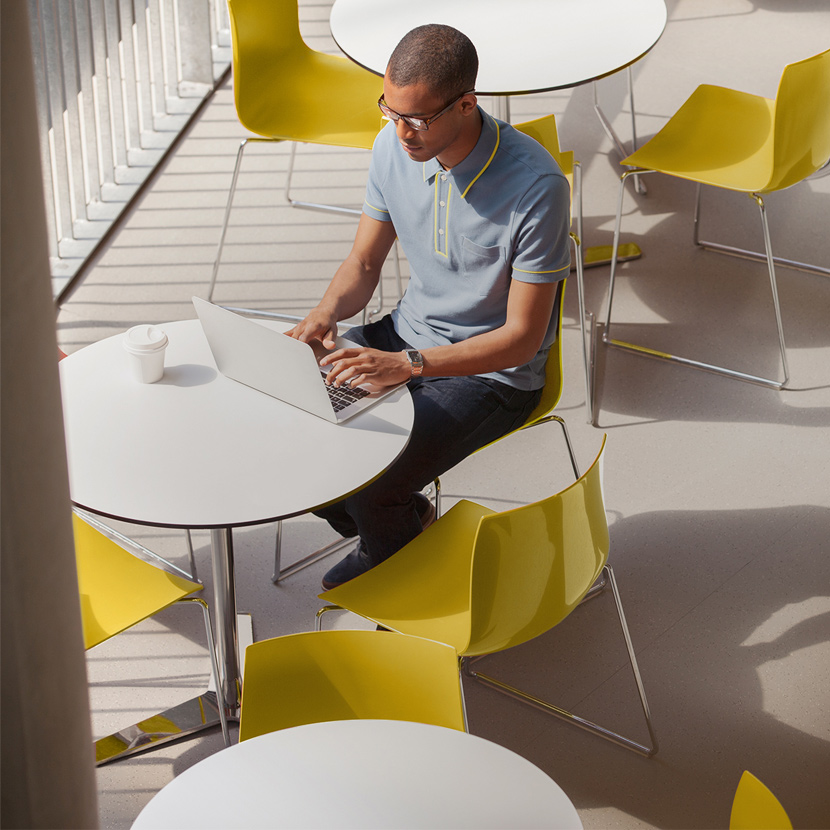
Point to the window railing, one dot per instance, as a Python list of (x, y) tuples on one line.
[(117, 81)]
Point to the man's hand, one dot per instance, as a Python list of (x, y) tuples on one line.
[(318, 325), (363, 365)]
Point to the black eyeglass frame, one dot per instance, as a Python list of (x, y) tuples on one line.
[(419, 124)]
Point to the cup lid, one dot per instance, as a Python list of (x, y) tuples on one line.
[(145, 338)]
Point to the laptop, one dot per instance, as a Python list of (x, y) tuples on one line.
[(265, 359)]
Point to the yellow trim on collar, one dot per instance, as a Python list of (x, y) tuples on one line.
[(487, 164)]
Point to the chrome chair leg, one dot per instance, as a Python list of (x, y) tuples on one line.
[(603, 732), (574, 466), (343, 211), (773, 286), (310, 559), (611, 133), (757, 256), (697, 364), (576, 238), (228, 206), (275, 577)]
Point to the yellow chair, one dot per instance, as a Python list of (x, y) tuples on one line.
[(746, 143), (120, 587), (343, 675), (756, 808), (545, 132), (483, 582), (285, 91), (543, 413)]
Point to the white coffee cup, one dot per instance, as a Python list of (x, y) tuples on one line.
[(146, 345)]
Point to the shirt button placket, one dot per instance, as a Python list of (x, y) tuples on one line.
[(443, 188)]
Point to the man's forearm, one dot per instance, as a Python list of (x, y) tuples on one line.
[(516, 343), (492, 351)]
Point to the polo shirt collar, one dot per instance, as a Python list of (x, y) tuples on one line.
[(467, 172)]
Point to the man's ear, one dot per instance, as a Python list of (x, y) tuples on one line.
[(468, 104)]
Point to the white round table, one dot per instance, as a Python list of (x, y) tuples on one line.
[(523, 46), (198, 450), (362, 774)]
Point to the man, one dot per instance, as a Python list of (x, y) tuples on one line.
[(482, 214)]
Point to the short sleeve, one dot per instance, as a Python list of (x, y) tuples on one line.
[(374, 204), (542, 249)]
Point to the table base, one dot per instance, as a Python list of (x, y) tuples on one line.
[(601, 254), (180, 721), (192, 716)]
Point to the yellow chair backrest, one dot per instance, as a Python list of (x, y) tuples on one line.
[(344, 675), (544, 131), (802, 121), (117, 589), (284, 89), (554, 378), (756, 808), (533, 565)]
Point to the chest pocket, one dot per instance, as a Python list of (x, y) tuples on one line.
[(484, 270)]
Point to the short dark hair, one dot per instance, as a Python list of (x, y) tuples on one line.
[(437, 55)]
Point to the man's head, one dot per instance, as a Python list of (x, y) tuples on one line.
[(438, 56), (431, 78)]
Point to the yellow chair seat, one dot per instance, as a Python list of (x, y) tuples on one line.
[(424, 589), (720, 137), (731, 139)]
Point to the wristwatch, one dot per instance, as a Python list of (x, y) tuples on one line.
[(416, 361)]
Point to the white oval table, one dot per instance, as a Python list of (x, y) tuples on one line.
[(524, 46), (198, 450), (362, 774)]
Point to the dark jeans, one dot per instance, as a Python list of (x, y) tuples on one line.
[(454, 417)]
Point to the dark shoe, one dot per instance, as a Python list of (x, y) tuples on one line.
[(355, 564), (425, 508)]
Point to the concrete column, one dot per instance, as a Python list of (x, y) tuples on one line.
[(48, 775), (194, 39)]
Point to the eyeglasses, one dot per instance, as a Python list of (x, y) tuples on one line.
[(419, 124)]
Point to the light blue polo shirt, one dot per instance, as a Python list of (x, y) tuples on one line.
[(502, 214)]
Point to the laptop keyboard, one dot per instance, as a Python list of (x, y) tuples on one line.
[(343, 396)]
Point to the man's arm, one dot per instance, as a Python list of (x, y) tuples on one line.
[(353, 283), (529, 308)]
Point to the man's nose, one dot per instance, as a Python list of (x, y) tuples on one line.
[(403, 129)]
